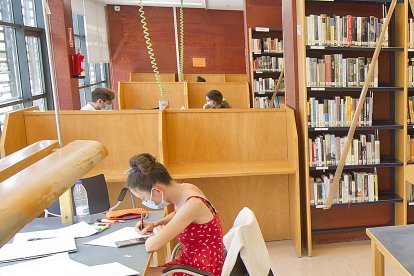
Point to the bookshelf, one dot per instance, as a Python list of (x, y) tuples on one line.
[(409, 200), (266, 63), (353, 211)]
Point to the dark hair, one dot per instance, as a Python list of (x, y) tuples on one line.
[(146, 171), (217, 98), (102, 93), (200, 79)]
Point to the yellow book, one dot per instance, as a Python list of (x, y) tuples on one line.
[(376, 187), (411, 110), (348, 112)]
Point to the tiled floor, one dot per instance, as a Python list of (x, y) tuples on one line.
[(342, 259)]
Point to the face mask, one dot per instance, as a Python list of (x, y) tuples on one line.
[(108, 107), (152, 205)]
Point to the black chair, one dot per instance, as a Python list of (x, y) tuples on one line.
[(98, 197)]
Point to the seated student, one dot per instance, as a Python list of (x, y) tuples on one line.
[(215, 99), (200, 79), (101, 99), (195, 222)]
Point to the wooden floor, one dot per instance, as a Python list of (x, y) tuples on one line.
[(342, 259)]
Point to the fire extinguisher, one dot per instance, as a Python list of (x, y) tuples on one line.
[(79, 64)]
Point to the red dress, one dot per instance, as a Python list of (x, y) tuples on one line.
[(203, 246)]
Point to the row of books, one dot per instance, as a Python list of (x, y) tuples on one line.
[(336, 71), (411, 33), (410, 192), (410, 112), (353, 187), (264, 102), (268, 64), (263, 85), (410, 148), (327, 150), (267, 45), (411, 72), (338, 112), (344, 31)]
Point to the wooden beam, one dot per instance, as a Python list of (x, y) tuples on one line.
[(374, 60), (26, 194), (279, 82)]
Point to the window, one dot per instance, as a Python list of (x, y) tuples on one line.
[(96, 74), (6, 11), (29, 13), (22, 73), (35, 65), (9, 68)]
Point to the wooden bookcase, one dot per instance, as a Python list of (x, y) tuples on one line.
[(260, 33), (347, 222)]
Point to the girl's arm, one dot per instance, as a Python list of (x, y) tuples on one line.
[(164, 220), (188, 213)]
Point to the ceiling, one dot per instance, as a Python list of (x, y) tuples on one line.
[(211, 4)]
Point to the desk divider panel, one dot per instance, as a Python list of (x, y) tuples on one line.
[(236, 77), (226, 135), (235, 93), (145, 95), (21, 159), (150, 77), (13, 137), (215, 78), (124, 133)]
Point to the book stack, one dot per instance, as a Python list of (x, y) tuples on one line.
[(267, 45), (353, 187), (411, 72), (268, 64), (411, 33), (264, 102), (410, 148), (410, 192), (336, 71), (266, 85), (338, 112), (410, 112), (326, 150), (344, 31)]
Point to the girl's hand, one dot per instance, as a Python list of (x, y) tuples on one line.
[(148, 227)]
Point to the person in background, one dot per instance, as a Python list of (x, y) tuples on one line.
[(194, 222), (214, 100), (200, 79), (101, 99)]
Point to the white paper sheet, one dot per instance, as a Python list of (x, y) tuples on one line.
[(78, 230), (35, 249), (58, 264), (123, 234), (114, 269)]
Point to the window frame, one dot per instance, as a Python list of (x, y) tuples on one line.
[(86, 85), (21, 32)]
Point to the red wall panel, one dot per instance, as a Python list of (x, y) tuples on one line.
[(216, 35)]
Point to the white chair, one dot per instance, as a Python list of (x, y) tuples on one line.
[(245, 247)]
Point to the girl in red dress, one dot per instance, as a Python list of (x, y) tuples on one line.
[(195, 222)]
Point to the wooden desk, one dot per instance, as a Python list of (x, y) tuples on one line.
[(396, 243), (96, 255)]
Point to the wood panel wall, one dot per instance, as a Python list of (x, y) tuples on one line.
[(207, 35)]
